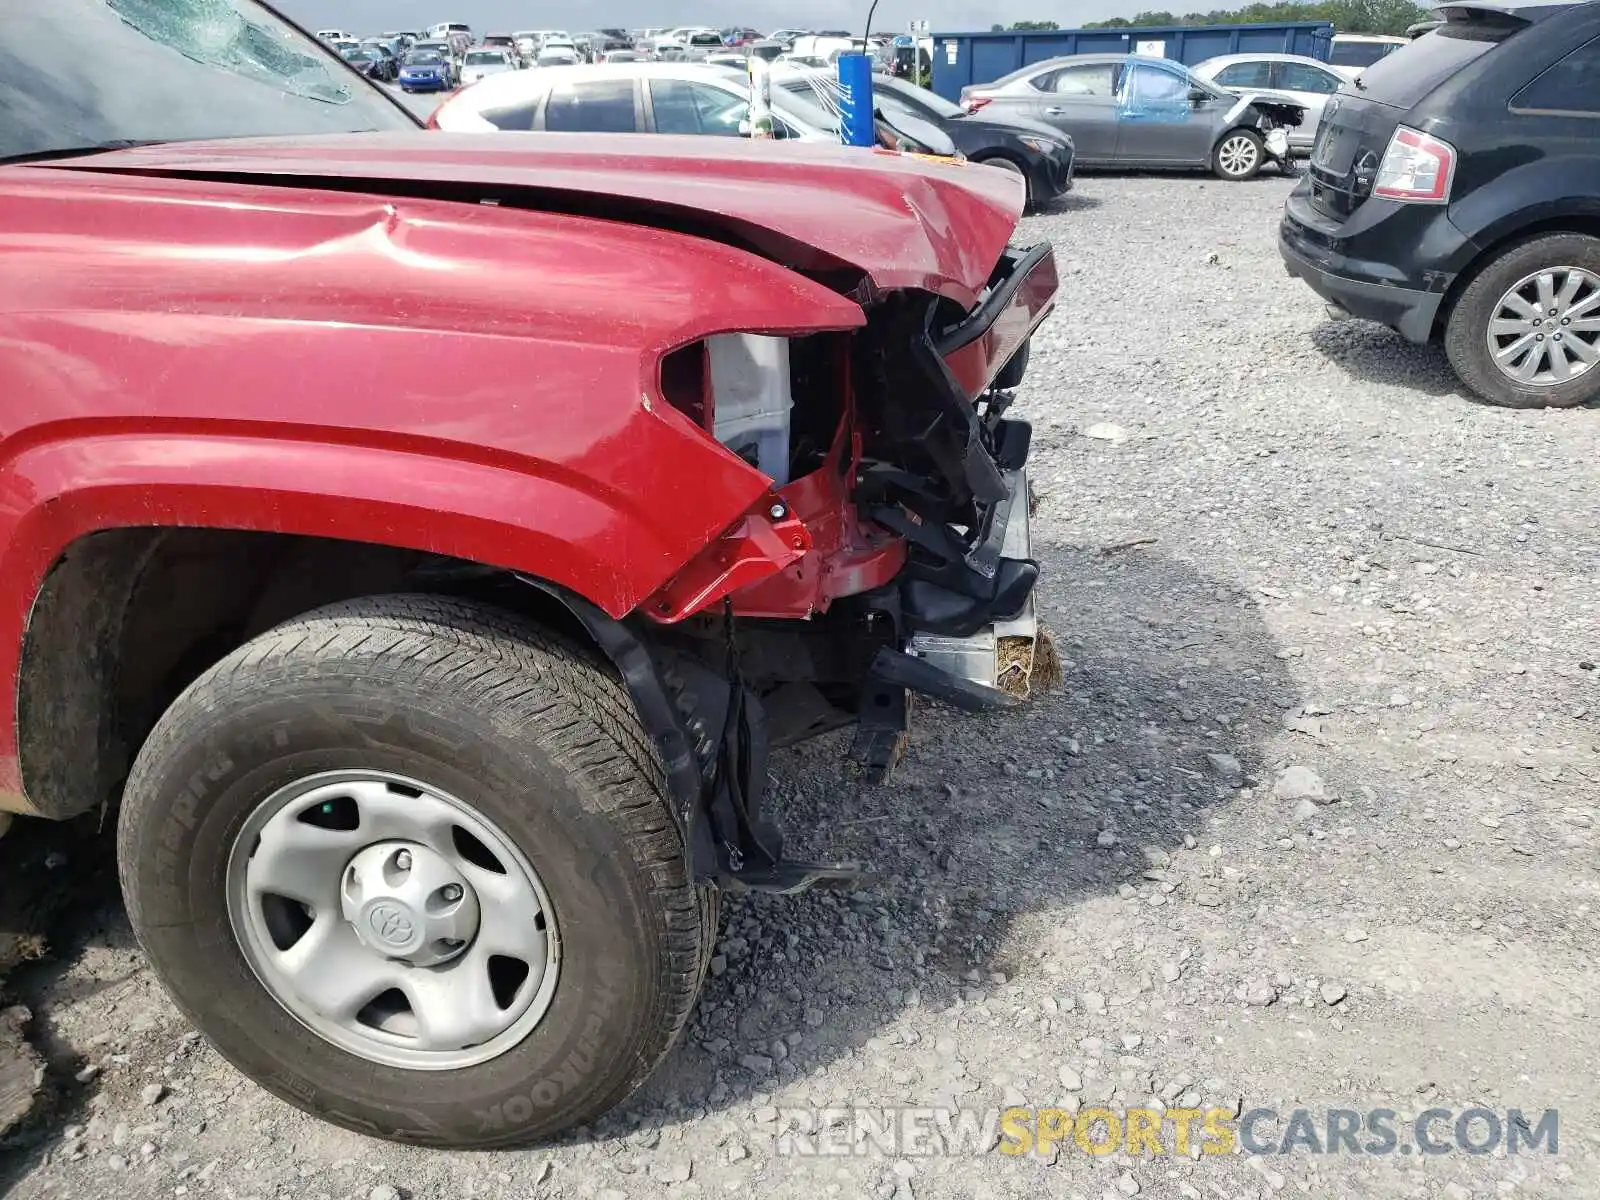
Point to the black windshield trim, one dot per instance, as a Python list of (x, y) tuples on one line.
[(76, 151)]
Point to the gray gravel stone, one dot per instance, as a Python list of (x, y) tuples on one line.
[(1225, 765), (672, 1173), (1105, 431), (1300, 783)]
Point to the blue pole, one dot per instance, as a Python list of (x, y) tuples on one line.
[(856, 126)]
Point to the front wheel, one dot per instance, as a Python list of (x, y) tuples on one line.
[(1525, 333), (409, 864), (1239, 155)]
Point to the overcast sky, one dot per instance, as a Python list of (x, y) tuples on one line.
[(497, 16)]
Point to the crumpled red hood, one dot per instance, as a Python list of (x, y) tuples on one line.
[(902, 220)]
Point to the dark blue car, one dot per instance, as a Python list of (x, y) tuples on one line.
[(425, 71)]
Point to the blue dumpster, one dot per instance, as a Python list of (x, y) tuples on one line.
[(962, 59)]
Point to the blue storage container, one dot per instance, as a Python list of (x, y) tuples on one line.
[(962, 59)]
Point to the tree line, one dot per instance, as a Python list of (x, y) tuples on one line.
[(1348, 16)]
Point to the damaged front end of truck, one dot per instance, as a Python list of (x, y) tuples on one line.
[(890, 558)]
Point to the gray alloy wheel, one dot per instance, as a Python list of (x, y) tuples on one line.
[(1239, 155), (392, 919), (1545, 329)]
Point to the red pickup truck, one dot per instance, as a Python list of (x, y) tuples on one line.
[(424, 538)]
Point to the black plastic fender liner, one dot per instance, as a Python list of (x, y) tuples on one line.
[(699, 806), (638, 670)]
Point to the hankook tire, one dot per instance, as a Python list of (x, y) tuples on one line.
[(393, 795)]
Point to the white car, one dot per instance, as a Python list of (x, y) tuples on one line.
[(527, 43), (689, 43), (1353, 53), (683, 98), (478, 65), (558, 53), (335, 35), (1304, 80)]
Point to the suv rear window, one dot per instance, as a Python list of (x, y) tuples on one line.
[(1412, 71), (1571, 86)]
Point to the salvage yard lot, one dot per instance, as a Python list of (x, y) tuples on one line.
[(1265, 538)]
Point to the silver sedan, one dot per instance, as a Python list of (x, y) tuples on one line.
[(1126, 110), (1304, 80)]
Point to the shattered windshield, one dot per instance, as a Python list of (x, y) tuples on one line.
[(184, 70)]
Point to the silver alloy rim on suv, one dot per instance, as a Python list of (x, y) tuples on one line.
[(1545, 330), (393, 919), (1238, 155)]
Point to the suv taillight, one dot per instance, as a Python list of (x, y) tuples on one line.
[(1416, 168)]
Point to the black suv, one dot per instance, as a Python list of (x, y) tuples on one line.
[(1454, 194)]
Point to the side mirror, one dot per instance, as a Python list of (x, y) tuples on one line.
[(1198, 95), (744, 128)]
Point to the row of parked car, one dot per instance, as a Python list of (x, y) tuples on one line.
[(714, 100), (1093, 110), (1412, 211), (449, 56)]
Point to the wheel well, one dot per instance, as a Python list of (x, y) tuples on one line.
[(128, 618), (1013, 159), (1233, 129), (1464, 277)]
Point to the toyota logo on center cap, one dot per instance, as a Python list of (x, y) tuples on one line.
[(391, 924)]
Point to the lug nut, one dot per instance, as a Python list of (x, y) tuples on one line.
[(777, 512), (402, 860), (451, 892)]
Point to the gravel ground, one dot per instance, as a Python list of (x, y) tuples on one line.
[(1310, 822)]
